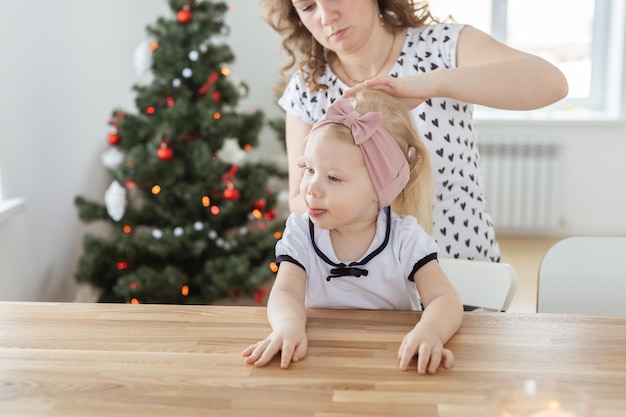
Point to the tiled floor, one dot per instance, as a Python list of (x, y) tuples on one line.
[(525, 255)]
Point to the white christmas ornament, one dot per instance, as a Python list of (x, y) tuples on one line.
[(176, 82), (231, 152), (193, 55), (187, 72), (157, 234), (142, 61), (198, 226), (112, 158), (178, 231), (115, 200)]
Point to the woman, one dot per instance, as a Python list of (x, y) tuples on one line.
[(337, 47)]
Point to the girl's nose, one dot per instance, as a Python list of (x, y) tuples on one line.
[(313, 188)]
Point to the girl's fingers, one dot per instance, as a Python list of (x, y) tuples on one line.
[(434, 360), (405, 354), (448, 358), (423, 358), (247, 351), (266, 352), (286, 354), (300, 351)]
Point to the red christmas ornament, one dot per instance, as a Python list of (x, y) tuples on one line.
[(209, 82), (259, 204), (259, 295), (165, 153), (231, 194), (113, 138), (270, 214), (184, 15)]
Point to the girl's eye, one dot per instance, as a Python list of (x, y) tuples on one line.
[(309, 171), (332, 178)]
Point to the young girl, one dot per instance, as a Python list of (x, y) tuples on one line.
[(351, 249)]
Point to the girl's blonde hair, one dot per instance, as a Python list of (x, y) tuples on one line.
[(306, 54), (417, 197)]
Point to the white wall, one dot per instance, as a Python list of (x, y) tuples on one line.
[(67, 63)]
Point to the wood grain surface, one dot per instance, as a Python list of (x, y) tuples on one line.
[(73, 359)]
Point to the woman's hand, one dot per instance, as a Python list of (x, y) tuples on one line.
[(412, 90), (430, 351), (291, 341)]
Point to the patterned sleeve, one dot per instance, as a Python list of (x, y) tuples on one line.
[(295, 244), (416, 247), (292, 100), (447, 40)]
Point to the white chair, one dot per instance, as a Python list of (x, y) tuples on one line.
[(584, 275), (488, 286)]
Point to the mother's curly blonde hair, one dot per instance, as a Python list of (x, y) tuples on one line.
[(306, 54)]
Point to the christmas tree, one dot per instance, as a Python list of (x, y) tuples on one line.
[(191, 222)]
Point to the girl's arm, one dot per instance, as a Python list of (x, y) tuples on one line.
[(287, 317), (441, 319), (487, 73), (295, 132)]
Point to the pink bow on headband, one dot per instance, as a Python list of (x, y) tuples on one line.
[(385, 162)]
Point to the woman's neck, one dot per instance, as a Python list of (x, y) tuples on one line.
[(372, 61)]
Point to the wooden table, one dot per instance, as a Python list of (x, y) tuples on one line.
[(155, 360)]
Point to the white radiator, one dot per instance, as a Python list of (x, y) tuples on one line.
[(521, 176)]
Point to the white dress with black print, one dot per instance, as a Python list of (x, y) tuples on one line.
[(381, 280), (462, 226)]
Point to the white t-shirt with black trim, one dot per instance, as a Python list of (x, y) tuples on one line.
[(381, 280)]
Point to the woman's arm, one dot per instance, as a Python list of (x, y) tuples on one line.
[(487, 73), (295, 132), (492, 74), (287, 317)]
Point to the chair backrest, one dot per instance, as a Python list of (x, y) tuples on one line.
[(490, 286), (584, 275)]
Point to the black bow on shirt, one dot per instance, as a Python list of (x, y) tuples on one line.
[(344, 270)]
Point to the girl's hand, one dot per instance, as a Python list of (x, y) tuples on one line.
[(292, 343), (412, 90), (430, 352)]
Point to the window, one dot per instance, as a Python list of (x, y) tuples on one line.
[(585, 39)]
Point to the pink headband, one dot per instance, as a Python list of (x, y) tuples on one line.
[(385, 162)]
